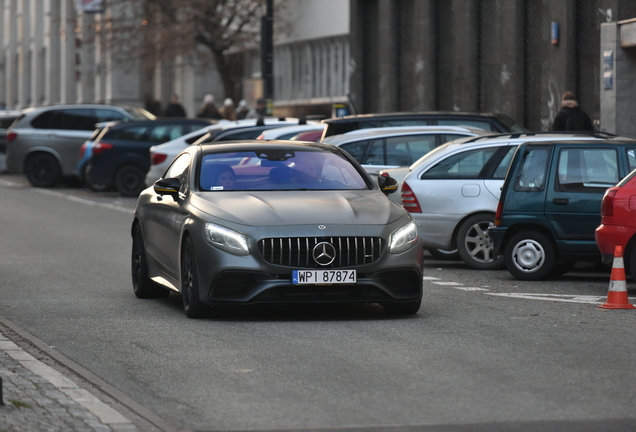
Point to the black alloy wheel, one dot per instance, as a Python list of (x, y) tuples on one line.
[(143, 286), (129, 180), (43, 170), (192, 304)]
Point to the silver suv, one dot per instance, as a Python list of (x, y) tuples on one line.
[(44, 143), (452, 192)]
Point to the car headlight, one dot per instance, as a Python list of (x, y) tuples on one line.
[(403, 238), (226, 239)]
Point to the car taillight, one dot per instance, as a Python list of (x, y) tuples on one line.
[(11, 136), (101, 147), (607, 205), (82, 151), (261, 136), (498, 213), (409, 200), (157, 158)]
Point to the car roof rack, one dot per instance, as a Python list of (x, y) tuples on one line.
[(516, 135)]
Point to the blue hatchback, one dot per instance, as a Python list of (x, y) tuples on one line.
[(120, 156)]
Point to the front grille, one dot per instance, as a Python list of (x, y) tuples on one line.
[(297, 251)]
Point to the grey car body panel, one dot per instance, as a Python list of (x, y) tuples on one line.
[(277, 208)]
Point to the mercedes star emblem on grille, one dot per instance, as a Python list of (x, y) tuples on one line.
[(324, 253)]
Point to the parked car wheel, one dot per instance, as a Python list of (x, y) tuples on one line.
[(192, 304), (530, 255), (446, 255), (43, 170), (130, 180), (143, 286), (402, 308), (474, 245)]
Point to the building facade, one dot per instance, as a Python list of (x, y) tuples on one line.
[(512, 56)]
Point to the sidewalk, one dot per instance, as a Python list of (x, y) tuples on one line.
[(37, 398)]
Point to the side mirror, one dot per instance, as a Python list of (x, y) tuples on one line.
[(387, 184), (168, 186)]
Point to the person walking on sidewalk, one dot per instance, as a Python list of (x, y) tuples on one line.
[(571, 117)]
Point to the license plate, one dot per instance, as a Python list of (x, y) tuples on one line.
[(320, 277)]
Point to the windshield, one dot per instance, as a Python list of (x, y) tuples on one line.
[(277, 169)]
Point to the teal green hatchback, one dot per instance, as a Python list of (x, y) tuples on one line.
[(550, 204)]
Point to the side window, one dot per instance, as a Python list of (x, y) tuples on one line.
[(403, 151), (532, 171), (77, 119), (502, 168), (42, 121), (178, 167), (481, 124), (587, 170), (356, 149), (165, 133), (451, 137), (631, 159), (103, 115), (376, 153), (130, 133), (464, 165)]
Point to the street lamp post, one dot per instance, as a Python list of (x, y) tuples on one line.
[(267, 56)]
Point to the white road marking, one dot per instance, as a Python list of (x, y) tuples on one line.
[(557, 297), (446, 283)]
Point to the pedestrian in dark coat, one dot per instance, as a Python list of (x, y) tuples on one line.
[(208, 109), (174, 108), (571, 117)]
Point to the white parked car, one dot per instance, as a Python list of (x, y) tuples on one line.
[(161, 156), (452, 192), (377, 149), (287, 132)]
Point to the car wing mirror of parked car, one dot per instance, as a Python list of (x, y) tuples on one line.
[(387, 184), (168, 186)]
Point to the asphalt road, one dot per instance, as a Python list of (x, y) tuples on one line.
[(485, 353)]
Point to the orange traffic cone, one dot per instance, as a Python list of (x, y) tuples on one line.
[(617, 295)]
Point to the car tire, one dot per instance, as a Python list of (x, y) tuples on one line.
[(192, 304), (402, 308), (43, 170), (143, 286), (445, 255), (474, 245), (130, 180), (531, 255)]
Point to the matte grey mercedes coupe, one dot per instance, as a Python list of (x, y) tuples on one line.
[(274, 221)]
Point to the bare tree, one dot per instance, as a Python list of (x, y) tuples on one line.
[(160, 30)]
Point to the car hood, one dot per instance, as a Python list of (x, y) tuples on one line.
[(280, 208)]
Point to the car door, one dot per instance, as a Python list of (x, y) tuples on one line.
[(581, 175), (454, 187), (164, 226)]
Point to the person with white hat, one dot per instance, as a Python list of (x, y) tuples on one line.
[(208, 109)]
